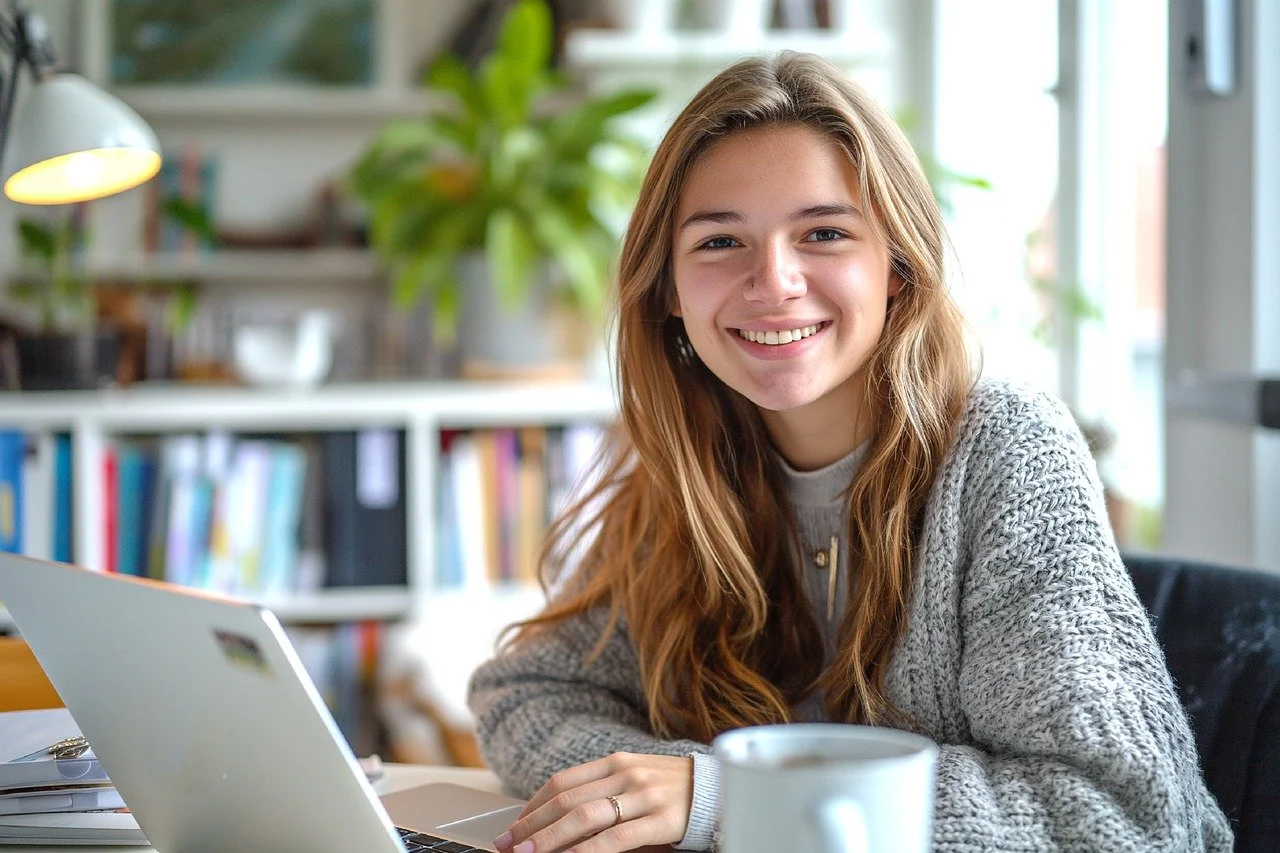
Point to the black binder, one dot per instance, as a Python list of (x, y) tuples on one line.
[(365, 543)]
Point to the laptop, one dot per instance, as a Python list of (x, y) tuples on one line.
[(201, 713)]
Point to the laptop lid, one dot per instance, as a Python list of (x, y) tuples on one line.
[(199, 710)]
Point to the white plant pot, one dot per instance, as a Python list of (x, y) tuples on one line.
[(532, 338)]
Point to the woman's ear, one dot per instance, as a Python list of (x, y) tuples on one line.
[(895, 284), (898, 277)]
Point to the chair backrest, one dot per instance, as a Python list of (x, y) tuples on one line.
[(23, 684), (1219, 628)]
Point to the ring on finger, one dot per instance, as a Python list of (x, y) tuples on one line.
[(617, 809)]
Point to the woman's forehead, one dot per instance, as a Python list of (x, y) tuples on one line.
[(770, 164)]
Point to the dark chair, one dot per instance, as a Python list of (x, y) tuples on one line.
[(1220, 631)]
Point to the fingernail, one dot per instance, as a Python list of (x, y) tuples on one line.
[(503, 840), (525, 846)]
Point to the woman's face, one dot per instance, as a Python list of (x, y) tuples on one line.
[(782, 285)]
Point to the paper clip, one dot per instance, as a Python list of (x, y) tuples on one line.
[(72, 747)]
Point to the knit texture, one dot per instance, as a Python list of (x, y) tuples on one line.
[(1027, 657)]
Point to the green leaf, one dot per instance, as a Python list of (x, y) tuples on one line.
[(405, 135), (450, 74), (379, 172), (503, 94), (429, 270), (574, 132), (510, 254), (583, 270), (525, 41), (38, 240), (190, 216)]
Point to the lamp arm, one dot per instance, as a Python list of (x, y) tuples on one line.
[(27, 36), (9, 89)]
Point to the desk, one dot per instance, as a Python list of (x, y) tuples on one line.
[(399, 777)]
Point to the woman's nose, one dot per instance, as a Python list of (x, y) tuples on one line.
[(777, 276)]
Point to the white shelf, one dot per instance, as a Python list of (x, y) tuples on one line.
[(354, 604), (244, 265), (332, 265), (370, 603), (617, 49), (272, 105), (165, 408)]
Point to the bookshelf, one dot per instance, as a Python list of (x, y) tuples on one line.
[(300, 266), (422, 410)]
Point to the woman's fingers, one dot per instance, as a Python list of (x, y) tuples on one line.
[(622, 802), (568, 780)]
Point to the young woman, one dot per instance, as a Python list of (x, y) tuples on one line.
[(816, 513)]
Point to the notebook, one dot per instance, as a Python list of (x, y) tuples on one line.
[(201, 713)]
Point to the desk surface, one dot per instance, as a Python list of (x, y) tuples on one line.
[(398, 777)]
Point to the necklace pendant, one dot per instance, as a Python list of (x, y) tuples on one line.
[(821, 558)]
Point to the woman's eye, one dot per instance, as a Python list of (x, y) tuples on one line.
[(718, 243), (825, 235)]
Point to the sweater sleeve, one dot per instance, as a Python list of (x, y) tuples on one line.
[(545, 705), (1077, 740)]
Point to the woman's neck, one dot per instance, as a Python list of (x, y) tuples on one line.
[(826, 430)]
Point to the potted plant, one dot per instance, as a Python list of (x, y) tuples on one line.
[(498, 199), (61, 346), (65, 339)]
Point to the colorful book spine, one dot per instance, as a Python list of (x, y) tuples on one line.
[(38, 496), (280, 537), (63, 499), (110, 510), (13, 448)]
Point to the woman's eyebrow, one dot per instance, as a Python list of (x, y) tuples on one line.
[(719, 217), (813, 211), (819, 210)]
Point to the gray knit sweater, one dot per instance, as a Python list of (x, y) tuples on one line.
[(1027, 658)]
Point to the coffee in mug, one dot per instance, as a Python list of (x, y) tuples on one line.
[(827, 788)]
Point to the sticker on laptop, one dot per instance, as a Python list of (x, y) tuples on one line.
[(242, 651)]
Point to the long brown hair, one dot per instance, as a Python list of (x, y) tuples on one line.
[(692, 542)]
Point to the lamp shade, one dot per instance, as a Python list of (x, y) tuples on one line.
[(71, 141)]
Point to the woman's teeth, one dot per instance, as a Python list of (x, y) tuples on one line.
[(784, 337)]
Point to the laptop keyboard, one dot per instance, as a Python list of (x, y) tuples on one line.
[(415, 841)]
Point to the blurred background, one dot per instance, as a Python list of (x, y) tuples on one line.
[(328, 192)]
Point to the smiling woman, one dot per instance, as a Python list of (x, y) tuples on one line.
[(783, 284), (815, 513)]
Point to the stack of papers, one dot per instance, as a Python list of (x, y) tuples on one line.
[(45, 799)]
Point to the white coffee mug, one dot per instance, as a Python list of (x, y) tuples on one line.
[(825, 787)]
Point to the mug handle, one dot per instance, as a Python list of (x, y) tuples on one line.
[(842, 826)]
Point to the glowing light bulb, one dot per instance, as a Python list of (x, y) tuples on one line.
[(83, 169)]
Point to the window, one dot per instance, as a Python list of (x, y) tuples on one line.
[(1062, 110)]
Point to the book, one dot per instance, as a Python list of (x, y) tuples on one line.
[(364, 487), (471, 523), (25, 762), (85, 828), (13, 448), (37, 496), (135, 469), (63, 498), (65, 798), (110, 509), (282, 518)]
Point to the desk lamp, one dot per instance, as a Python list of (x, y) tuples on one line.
[(71, 141)]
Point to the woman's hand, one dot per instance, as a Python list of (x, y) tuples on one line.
[(623, 802)]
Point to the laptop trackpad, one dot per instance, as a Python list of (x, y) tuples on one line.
[(473, 816), (483, 828)]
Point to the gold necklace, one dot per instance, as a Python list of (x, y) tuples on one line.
[(829, 559)]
